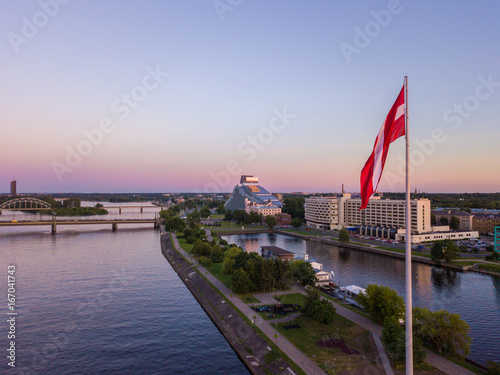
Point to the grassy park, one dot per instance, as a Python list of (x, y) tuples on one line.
[(341, 345)]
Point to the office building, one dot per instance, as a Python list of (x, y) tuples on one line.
[(13, 188), (465, 218)]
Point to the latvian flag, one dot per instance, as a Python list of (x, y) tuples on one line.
[(392, 129)]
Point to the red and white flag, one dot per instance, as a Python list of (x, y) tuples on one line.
[(392, 129)]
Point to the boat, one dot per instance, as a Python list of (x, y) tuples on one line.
[(349, 294)]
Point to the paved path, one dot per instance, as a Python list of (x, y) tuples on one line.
[(297, 356), (304, 362), (209, 235)]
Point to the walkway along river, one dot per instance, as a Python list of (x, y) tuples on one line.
[(476, 297)]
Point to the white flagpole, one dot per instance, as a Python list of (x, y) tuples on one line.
[(409, 322)]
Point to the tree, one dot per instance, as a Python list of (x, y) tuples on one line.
[(394, 339), (294, 206), (271, 221), (282, 273), (303, 272), (228, 215), (454, 223), (216, 254), (240, 281), (205, 212), (296, 222), (193, 218), (240, 216), (443, 220), (221, 210), (380, 302), (253, 268), (344, 235), (229, 262), (320, 310), (493, 368), (448, 332), (445, 249), (433, 219)]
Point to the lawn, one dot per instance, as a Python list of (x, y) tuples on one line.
[(403, 251), (188, 247), (248, 298), (331, 357), (293, 298), (216, 270), (490, 267), (464, 263)]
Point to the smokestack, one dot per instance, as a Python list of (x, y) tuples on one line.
[(343, 191)]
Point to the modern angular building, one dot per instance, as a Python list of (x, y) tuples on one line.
[(248, 195)]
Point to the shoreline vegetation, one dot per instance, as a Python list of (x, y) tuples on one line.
[(74, 211), (304, 324)]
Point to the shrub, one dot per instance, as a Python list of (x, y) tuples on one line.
[(204, 261)]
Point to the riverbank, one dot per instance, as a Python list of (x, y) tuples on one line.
[(389, 253), (252, 349)]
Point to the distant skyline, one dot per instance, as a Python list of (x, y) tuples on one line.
[(166, 96)]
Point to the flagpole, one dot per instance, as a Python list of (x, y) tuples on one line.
[(409, 319)]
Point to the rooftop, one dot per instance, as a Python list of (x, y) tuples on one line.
[(276, 250)]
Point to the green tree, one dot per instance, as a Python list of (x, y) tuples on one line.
[(445, 249), (253, 268), (320, 310), (271, 221), (296, 222), (344, 235), (443, 220), (294, 206), (205, 212), (446, 331), (380, 302), (267, 277), (303, 272), (282, 273), (229, 259), (241, 217), (433, 219), (493, 368), (221, 210), (454, 223), (240, 281), (216, 254), (394, 339)]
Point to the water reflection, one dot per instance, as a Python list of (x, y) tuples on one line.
[(344, 255), (443, 277), (476, 297)]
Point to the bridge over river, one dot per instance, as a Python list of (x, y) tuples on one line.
[(54, 223)]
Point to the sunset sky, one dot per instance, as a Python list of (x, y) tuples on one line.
[(168, 96)]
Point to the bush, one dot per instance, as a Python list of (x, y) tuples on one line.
[(216, 254), (205, 262)]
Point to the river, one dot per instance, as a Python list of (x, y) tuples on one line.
[(93, 301), (476, 297)]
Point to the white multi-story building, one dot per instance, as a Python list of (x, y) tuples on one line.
[(335, 212), (322, 212)]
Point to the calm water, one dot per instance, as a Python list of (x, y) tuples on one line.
[(474, 296), (91, 301)]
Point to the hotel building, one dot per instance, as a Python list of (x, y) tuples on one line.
[(382, 218)]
